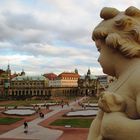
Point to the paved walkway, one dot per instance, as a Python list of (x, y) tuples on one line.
[(38, 132)]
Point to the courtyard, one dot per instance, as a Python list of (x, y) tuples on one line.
[(49, 124)]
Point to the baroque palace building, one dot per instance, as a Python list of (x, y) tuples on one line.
[(92, 85), (64, 79), (29, 86), (65, 84), (88, 84)]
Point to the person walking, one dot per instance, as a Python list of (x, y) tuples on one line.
[(25, 127)]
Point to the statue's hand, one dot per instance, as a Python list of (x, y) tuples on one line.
[(110, 102)]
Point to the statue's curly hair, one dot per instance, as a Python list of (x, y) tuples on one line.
[(120, 30)]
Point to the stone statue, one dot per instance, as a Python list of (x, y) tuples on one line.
[(117, 38)]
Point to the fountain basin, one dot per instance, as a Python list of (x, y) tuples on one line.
[(81, 113), (21, 112)]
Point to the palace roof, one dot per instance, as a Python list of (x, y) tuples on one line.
[(69, 74), (29, 78), (50, 76)]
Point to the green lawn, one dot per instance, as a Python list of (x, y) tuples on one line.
[(7, 120), (77, 123)]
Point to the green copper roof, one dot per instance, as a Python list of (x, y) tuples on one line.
[(29, 78), (90, 76)]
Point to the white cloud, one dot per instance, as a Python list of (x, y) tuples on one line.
[(51, 35)]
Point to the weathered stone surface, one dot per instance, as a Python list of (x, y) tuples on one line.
[(117, 38)]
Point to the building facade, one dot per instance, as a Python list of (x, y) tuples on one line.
[(29, 86), (5, 78), (52, 79), (65, 79), (88, 84), (65, 84), (37, 87), (68, 79)]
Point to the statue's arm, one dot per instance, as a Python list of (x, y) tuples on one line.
[(95, 128), (117, 126)]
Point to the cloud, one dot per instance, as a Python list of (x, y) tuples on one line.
[(51, 35)]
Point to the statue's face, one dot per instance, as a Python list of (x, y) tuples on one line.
[(105, 58)]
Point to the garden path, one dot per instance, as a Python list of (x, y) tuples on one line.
[(36, 131)]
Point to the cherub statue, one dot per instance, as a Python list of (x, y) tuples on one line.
[(117, 38)]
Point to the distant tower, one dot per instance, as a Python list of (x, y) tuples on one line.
[(88, 73), (22, 73), (8, 71), (76, 71), (7, 80)]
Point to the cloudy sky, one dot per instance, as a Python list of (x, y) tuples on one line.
[(42, 36)]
